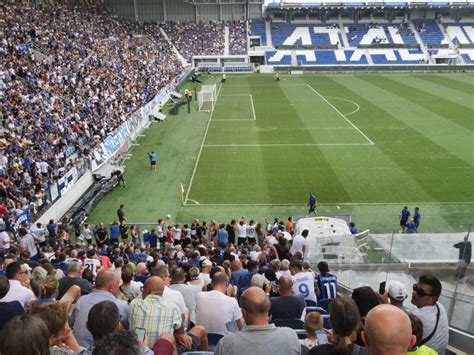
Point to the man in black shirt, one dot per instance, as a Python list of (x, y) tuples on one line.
[(73, 277), (464, 259), (121, 214), (101, 235)]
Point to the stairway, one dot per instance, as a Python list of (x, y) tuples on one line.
[(268, 30), (183, 61), (420, 43)]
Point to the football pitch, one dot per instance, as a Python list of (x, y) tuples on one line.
[(365, 144)]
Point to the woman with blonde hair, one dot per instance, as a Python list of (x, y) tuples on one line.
[(61, 338)]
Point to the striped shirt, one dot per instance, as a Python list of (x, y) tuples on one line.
[(155, 315)]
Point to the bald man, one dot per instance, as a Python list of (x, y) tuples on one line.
[(158, 316), (106, 289), (258, 337), (388, 331), (287, 305)]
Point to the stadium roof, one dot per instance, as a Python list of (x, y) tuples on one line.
[(272, 4)]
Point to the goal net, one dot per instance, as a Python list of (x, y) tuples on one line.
[(207, 98)]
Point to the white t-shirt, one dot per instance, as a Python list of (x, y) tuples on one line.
[(19, 293), (175, 297), (206, 278), (303, 284), (298, 242), (189, 293), (287, 235), (4, 240), (241, 230), (214, 310), (177, 234), (427, 314), (251, 231), (28, 242), (40, 235), (94, 265), (281, 273)]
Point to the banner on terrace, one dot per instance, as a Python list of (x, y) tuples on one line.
[(121, 140)]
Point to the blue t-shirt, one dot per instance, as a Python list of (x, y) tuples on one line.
[(114, 231), (223, 236), (153, 240), (405, 215), (153, 157), (353, 230), (417, 217), (312, 200), (327, 284), (411, 227), (9, 310)]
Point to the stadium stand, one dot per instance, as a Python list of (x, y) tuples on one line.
[(328, 57), (460, 33), (304, 35), (59, 101), (429, 32), (192, 38), (70, 76), (396, 56), (258, 29), (280, 57), (368, 34), (237, 37)]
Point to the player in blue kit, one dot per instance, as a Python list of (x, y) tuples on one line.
[(405, 214), (312, 203), (417, 218)]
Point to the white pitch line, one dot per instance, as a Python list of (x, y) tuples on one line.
[(286, 145), (235, 94), (231, 119), (253, 107), (352, 102), (195, 202), (340, 114), (200, 149), (330, 204)]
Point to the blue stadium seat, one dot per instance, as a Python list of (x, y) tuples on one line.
[(325, 303), (429, 32), (301, 333), (310, 303), (326, 322), (213, 338), (258, 29)]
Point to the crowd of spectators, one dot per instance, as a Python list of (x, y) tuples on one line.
[(237, 37), (234, 288), (191, 38), (69, 76)]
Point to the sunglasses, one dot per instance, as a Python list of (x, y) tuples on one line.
[(420, 292)]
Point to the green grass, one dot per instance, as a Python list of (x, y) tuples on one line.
[(369, 144)]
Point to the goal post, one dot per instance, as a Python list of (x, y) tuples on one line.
[(207, 97)]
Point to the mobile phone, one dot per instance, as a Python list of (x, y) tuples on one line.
[(140, 332), (322, 337), (382, 287), (232, 326)]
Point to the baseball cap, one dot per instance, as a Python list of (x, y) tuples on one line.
[(397, 290), (206, 262)]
